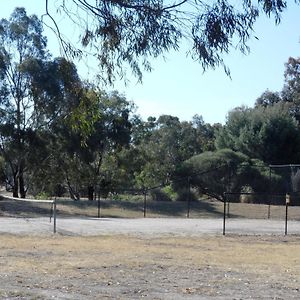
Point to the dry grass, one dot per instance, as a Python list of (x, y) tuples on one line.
[(122, 267), (201, 209), (134, 208)]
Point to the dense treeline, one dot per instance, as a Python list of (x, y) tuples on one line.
[(61, 134)]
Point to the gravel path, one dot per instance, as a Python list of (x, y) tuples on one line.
[(146, 227)]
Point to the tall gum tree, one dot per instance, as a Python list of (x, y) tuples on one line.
[(35, 92), (20, 38)]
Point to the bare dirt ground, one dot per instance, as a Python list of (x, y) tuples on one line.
[(127, 267), (154, 227), (148, 258)]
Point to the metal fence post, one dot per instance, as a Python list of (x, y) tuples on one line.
[(287, 202), (189, 198), (54, 216), (145, 202), (99, 205), (224, 214), (270, 192)]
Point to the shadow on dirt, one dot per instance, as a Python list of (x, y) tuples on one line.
[(135, 209)]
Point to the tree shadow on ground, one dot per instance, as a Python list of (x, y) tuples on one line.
[(135, 209), (20, 209)]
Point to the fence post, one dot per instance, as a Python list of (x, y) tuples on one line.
[(189, 198), (145, 202), (99, 205), (54, 216), (224, 214), (287, 202)]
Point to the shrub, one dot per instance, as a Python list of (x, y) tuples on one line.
[(42, 196), (160, 195), (184, 194)]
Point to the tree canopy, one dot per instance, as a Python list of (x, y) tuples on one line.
[(21, 41), (122, 34), (59, 133), (266, 133)]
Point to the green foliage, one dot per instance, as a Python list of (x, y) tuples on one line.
[(21, 42), (88, 154), (291, 90), (185, 195), (60, 133), (170, 192), (159, 195), (214, 173), (213, 160), (266, 133), (268, 98), (122, 34), (43, 196), (163, 144), (83, 117)]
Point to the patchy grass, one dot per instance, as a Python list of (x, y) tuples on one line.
[(134, 208), (123, 267), (205, 208)]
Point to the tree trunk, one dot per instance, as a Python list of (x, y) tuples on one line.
[(91, 191), (21, 185), (16, 186), (73, 194)]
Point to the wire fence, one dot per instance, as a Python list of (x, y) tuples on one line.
[(245, 192), (281, 207), (28, 208)]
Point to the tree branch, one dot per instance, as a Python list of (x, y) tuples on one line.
[(57, 30)]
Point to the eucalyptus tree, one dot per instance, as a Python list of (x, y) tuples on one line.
[(20, 40), (269, 133), (291, 90), (90, 162), (165, 143), (290, 94), (35, 90), (123, 34), (268, 98), (60, 102)]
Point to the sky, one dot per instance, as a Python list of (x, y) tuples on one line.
[(177, 86)]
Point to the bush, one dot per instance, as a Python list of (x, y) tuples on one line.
[(169, 192), (42, 196), (184, 194), (160, 195)]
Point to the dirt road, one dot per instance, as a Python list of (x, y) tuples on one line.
[(146, 227)]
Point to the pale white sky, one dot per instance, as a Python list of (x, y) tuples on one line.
[(178, 86)]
